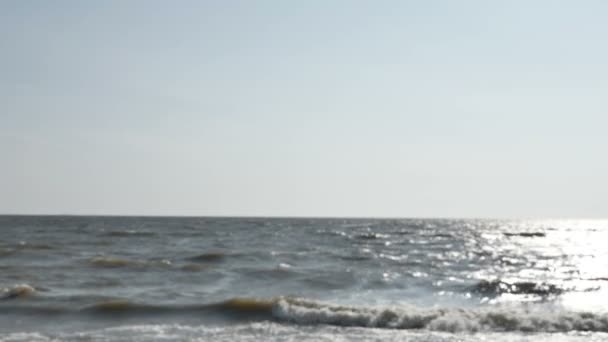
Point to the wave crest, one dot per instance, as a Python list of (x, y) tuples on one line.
[(500, 319), (17, 291)]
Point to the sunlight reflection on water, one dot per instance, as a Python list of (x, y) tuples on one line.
[(569, 256)]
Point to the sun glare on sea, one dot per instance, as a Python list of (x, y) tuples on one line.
[(578, 256)]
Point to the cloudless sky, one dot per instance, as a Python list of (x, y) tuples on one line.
[(435, 108)]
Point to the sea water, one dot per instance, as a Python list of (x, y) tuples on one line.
[(76, 278)]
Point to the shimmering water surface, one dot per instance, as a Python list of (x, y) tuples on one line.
[(166, 279)]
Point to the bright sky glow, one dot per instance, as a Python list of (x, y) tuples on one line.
[(309, 108)]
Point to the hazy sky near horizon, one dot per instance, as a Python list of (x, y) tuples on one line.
[(467, 108)]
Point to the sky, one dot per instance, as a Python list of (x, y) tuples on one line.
[(437, 108)]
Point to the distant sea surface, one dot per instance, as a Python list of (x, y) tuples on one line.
[(72, 278)]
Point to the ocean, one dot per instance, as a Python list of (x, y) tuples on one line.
[(80, 278)]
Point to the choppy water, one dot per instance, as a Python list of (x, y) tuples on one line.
[(174, 279)]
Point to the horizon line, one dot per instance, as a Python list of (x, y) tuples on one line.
[(370, 217)]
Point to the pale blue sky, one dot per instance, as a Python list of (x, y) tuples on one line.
[(308, 108)]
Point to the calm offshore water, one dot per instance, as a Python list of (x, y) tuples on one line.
[(226, 279)]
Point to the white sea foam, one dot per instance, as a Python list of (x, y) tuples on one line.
[(269, 331), (495, 318)]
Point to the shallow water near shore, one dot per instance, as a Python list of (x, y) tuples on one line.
[(70, 278)]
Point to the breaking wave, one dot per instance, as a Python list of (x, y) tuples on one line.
[(523, 318)]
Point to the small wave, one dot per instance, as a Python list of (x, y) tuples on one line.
[(113, 306), (597, 279), (332, 232), (442, 235), (262, 306), (128, 233), (6, 252), (497, 287), (370, 236), (401, 232), (127, 308), (236, 308), (17, 291), (112, 262), (277, 273), (209, 257), (526, 234), (25, 245), (356, 257)]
